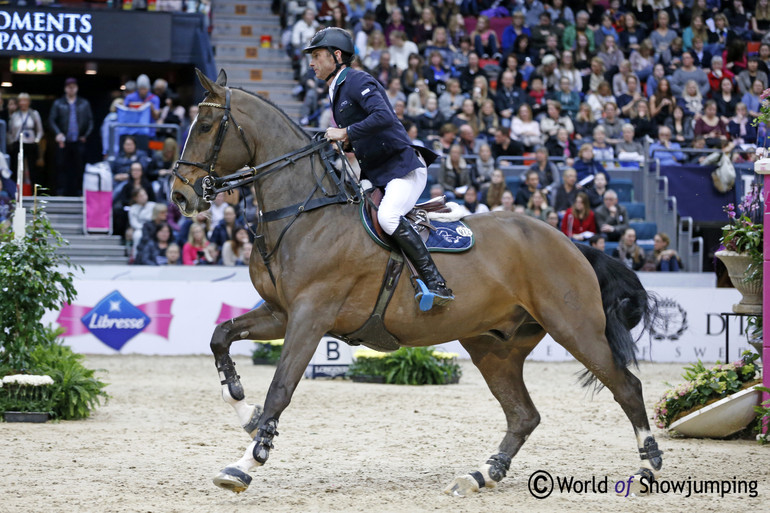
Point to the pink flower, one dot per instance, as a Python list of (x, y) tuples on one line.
[(765, 94)]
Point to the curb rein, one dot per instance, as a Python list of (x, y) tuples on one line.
[(209, 186)]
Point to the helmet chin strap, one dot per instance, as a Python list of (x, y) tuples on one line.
[(337, 65)]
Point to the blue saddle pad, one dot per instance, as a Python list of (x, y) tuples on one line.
[(454, 237)]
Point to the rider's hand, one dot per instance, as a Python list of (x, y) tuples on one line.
[(336, 134)]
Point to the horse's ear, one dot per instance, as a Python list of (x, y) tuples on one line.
[(208, 84), (222, 77)]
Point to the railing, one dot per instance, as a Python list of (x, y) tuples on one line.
[(114, 136)]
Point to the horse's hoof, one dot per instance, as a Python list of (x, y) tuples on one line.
[(462, 486), (232, 479), (638, 487)]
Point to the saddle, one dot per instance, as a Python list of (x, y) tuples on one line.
[(418, 216)]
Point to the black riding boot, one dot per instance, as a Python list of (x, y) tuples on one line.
[(410, 242)]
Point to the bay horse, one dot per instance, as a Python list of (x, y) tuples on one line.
[(319, 273)]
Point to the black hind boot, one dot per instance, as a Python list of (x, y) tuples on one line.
[(434, 290)]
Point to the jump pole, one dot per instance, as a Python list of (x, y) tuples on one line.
[(762, 168), (20, 215)]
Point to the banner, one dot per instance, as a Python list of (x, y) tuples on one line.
[(695, 193), (176, 317)]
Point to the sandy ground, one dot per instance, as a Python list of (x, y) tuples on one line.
[(347, 446)]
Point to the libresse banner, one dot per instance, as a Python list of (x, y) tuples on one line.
[(178, 318)]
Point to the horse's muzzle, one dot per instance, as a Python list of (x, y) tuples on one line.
[(187, 200)]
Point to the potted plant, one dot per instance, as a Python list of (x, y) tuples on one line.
[(406, 366), (742, 239), (763, 419), (26, 398), (713, 402), (267, 352)]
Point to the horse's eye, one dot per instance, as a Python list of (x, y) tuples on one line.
[(205, 127)]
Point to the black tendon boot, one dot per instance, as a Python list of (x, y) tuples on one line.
[(434, 291)]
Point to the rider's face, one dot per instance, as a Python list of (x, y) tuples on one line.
[(322, 63)]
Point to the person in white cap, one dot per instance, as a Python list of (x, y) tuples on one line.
[(547, 71), (143, 95)]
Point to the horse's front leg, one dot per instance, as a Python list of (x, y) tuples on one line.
[(262, 323), (304, 331)]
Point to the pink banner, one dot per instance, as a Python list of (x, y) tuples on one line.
[(160, 313), (69, 319)]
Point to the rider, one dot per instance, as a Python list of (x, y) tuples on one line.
[(369, 126)]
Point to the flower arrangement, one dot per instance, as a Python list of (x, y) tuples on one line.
[(704, 386), (407, 366), (744, 232), (26, 393), (267, 352), (763, 419)]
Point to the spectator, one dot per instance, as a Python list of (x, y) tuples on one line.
[(662, 258), (681, 126), (741, 127), (492, 193), (691, 100), (415, 102), (506, 203), (481, 91), (447, 135), (599, 242), (537, 206), (553, 219), (412, 77), (688, 71), (620, 79), (726, 99), (568, 70), (593, 80), (488, 120), (530, 185), (632, 36), (467, 116), (525, 129), (582, 55), (422, 32), (430, 121), (357, 9), (394, 92), (596, 189), (526, 55), (611, 56), (561, 14), (237, 250), (508, 99), (121, 166), (723, 34), (627, 101), (173, 254), (611, 217), (327, 7), (385, 14), (603, 152), (568, 99), (163, 163), (462, 55), (541, 31), (613, 126), (760, 22), (628, 251), (193, 250), (751, 99), (511, 64), (566, 192), (25, 127), (216, 212), (662, 36), (554, 120), (658, 73), (441, 43), (579, 222), (536, 95), (644, 125), (375, 47), (364, 29), (456, 29), (471, 202), (547, 172), (468, 74), (580, 27), (665, 150), (139, 213), (561, 145), (746, 78), (662, 102), (153, 252), (5, 205), (586, 166), (672, 57), (504, 145), (697, 28), (717, 73), (455, 173), (629, 150), (226, 228), (485, 165), (598, 99), (513, 31), (400, 50), (485, 40), (701, 56), (584, 122), (547, 73), (711, 126), (72, 121), (143, 96), (607, 28), (160, 215), (468, 142), (643, 61)]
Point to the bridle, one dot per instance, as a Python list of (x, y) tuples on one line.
[(207, 187), (209, 164)]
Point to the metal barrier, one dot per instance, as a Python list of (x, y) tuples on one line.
[(114, 136)]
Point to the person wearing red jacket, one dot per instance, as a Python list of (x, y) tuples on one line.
[(579, 222)]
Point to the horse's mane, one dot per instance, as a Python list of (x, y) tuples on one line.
[(293, 123)]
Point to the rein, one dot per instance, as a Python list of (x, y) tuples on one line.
[(209, 186)]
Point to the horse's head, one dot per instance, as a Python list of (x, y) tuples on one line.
[(216, 145)]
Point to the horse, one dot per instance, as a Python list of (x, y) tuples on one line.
[(319, 273)]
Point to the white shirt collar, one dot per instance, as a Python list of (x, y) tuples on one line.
[(334, 85)]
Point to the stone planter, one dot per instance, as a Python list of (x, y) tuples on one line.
[(25, 416), (737, 263), (721, 418)]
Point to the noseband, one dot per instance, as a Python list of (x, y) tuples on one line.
[(211, 161)]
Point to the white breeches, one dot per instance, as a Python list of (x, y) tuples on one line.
[(401, 194)]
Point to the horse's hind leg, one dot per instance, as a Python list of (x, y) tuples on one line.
[(501, 365), (262, 323)]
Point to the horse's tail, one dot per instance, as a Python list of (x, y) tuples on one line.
[(626, 303)]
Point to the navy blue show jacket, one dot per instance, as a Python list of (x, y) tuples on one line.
[(379, 140)]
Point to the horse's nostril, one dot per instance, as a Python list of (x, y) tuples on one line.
[(178, 198)]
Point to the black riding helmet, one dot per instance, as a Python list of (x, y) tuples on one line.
[(333, 38)]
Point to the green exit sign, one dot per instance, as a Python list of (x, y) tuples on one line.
[(31, 65)]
